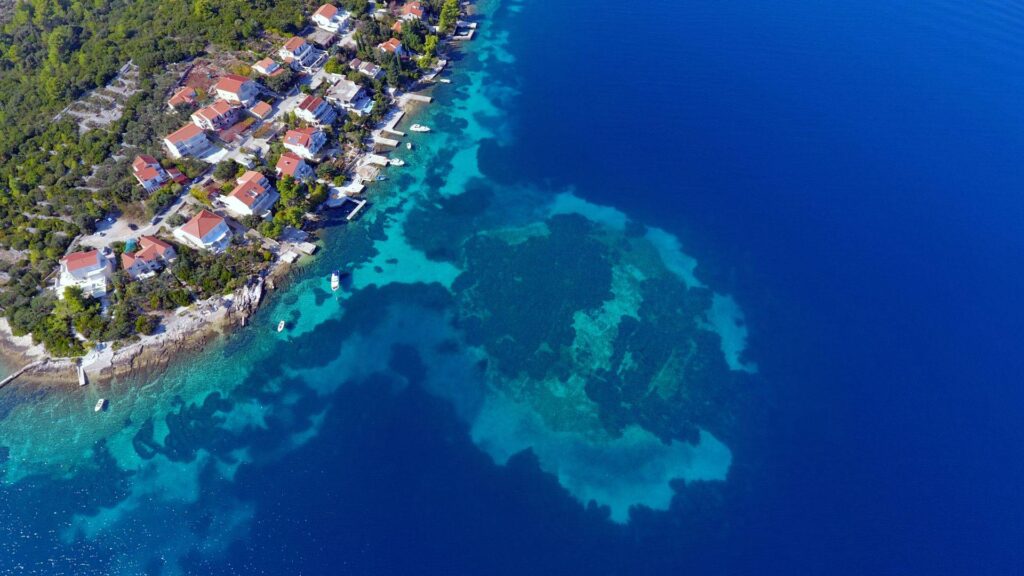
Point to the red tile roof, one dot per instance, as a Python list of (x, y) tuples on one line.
[(392, 45), (413, 8), (80, 260), (397, 27), (250, 188), (300, 137), (327, 11), (261, 110), (294, 44), (201, 224), (150, 249), (311, 103), (186, 95), (215, 110), (146, 168), (231, 83), (184, 133), (288, 164)]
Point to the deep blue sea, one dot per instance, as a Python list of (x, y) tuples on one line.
[(699, 287)]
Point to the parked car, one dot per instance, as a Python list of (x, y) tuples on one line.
[(133, 227)]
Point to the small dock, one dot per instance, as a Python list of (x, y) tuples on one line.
[(360, 204), (378, 160), (306, 247), (385, 141), (418, 98)]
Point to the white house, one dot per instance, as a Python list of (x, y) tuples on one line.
[(268, 67), (305, 142), (89, 271), (314, 110), (291, 164), (151, 255), (205, 231), (411, 10), (349, 96), (366, 68), (392, 46), (298, 53), (216, 116), (254, 195), (330, 18), (189, 140), (236, 89), (149, 173)]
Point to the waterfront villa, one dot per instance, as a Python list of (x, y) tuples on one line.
[(253, 196), (89, 271), (330, 18), (411, 10), (268, 67), (217, 116), (189, 140), (236, 89), (149, 173), (392, 46), (314, 110), (205, 231), (150, 257), (305, 142), (184, 96), (291, 164), (366, 68), (297, 52)]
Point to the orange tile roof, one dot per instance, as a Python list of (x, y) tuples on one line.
[(250, 188), (294, 44), (288, 164), (201, 224), (327, 11), (80, 260), (231, 83), (186, 132), (299, 136), (186, 95), (261, 109)]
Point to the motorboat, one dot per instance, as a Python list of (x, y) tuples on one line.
[(101, 404), (419, 128), (397, 162), (408, 145), (335, 280), (280, 326)]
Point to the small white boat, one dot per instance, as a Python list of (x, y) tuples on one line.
[(101, 404), (82, 381), (445, 81), (335, 280), (280, 326), (419, 128), (397, 162), (408, 145)]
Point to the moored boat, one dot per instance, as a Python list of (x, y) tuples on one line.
[(397, 162), (419, 128), (408, 145), (335, 280), (101, 404), (280, 326)]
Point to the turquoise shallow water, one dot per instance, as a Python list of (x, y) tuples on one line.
[(532, 319)]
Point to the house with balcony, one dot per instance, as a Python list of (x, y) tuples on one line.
[(298, 53), (185, 96), (89, 271), (236, 89), (291, 164), (150, 174), (253, 196), (392, 46), (268, 67), (330, 18), (305, 142), (315, 110), (189, 140), (217, 116), (205, 231), (350, 97), (151, 256)]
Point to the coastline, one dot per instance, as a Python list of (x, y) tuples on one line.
[(187, 330)]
